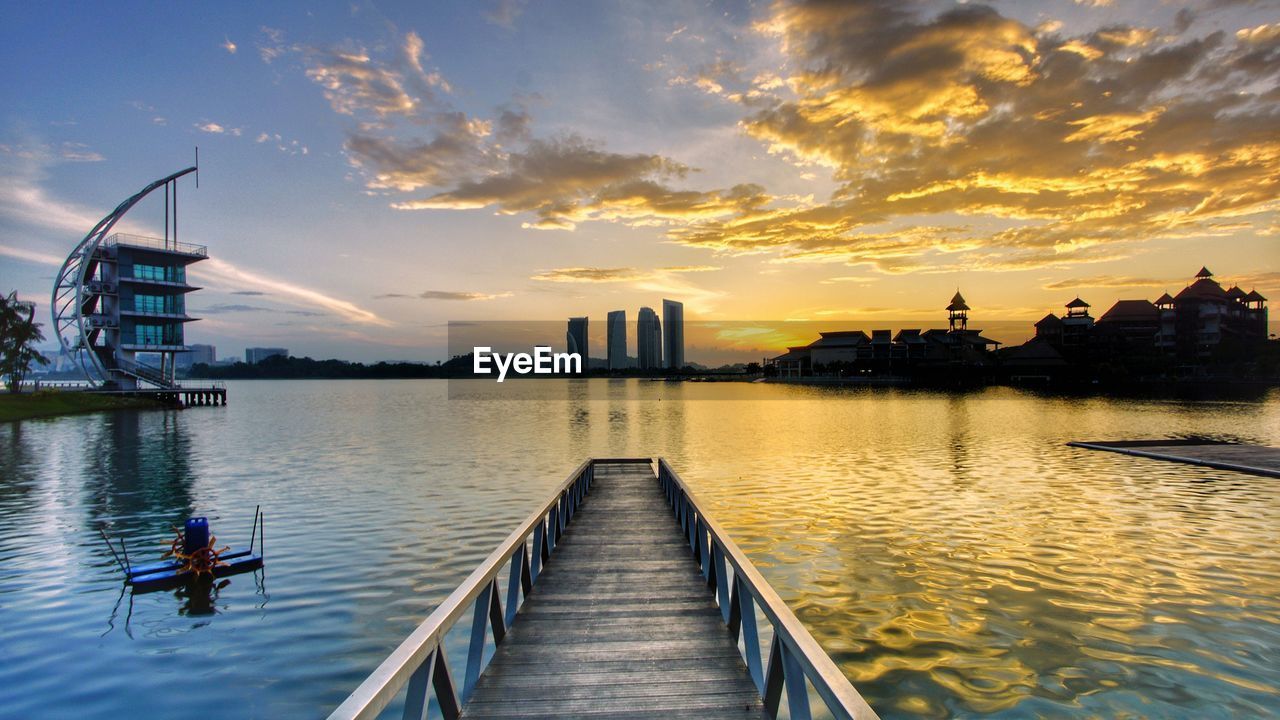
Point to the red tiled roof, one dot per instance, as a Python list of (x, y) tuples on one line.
[(1131, 311), (1202, 289)]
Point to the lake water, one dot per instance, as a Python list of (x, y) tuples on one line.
[(949, 551)]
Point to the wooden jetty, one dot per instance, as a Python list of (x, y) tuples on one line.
[(623, 599), (1254, 459)]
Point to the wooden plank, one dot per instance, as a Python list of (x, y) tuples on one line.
[(620, 624), (1252, 459)]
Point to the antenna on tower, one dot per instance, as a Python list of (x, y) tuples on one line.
[(197, 167)]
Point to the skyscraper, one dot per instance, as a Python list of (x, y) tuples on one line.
[(255, 355), (673, 334), (576, 340), (206, 354), (616, 342), (648, 340)]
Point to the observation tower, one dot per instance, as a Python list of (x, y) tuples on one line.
[(119, 295)]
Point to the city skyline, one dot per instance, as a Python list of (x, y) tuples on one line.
[(372, 173)]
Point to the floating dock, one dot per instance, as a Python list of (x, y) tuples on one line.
[(1253, 459), (636, 604)]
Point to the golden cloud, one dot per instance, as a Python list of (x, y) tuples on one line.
[(1081, 148)]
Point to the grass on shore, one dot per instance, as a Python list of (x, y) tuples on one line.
[(50, 403)]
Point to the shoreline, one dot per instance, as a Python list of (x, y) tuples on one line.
[(53, 403)]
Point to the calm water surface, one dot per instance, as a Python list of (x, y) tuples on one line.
[(949, 551)]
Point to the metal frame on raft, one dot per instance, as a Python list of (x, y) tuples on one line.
[(166, 574), (420, 662)]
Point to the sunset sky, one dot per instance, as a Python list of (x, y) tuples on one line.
[(370, 171)]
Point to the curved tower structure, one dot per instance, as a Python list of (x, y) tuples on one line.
[(118, 295)]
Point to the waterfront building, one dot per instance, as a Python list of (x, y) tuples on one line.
[(837, 347), (911, 351), (958, 313), (1202, 322), (119, 295), (255, 355), (576, 340), (648, 340), (197, 354), (673, 334), (616, 339), (136, 300)]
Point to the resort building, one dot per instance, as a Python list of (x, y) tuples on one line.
[(849, 353), (673, 334), (255, 355), (1199, 322), (648, 340), (616, 339)]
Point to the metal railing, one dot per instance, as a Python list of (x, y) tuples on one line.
[(420, 662), (155, 243), (795, 659)]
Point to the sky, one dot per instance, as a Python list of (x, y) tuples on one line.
[(370, 171)]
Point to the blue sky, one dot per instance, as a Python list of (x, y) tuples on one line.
[(370, 171)]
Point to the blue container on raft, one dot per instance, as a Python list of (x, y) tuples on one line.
[(195, 534)]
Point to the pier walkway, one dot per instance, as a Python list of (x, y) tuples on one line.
[(1253, 459), (636, 605)]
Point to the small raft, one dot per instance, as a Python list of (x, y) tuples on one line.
[(193, 540), (169, 573)]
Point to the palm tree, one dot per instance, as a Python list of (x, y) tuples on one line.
[(19, 334)]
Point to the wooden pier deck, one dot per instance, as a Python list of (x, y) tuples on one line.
[(1253, 459), (636, 604), (621, 624)]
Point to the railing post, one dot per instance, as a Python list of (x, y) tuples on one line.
[(704, 557), (797, 689), (772, 693), (475, 653), (722, 582), (539, 550), (514, 582), (497, 622), (446, 690), (416, 700), (750, 633)]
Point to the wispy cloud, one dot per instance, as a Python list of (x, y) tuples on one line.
[(1109, 281), (229, 46), (666, 281), (214, 128), (446, 295), (31, 256), (504, 13), (229, 276)]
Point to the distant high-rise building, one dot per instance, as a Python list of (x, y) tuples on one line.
[(648, 340), (255, 355), (673, 334), (616, 341), (206, 354), (576, 340)]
